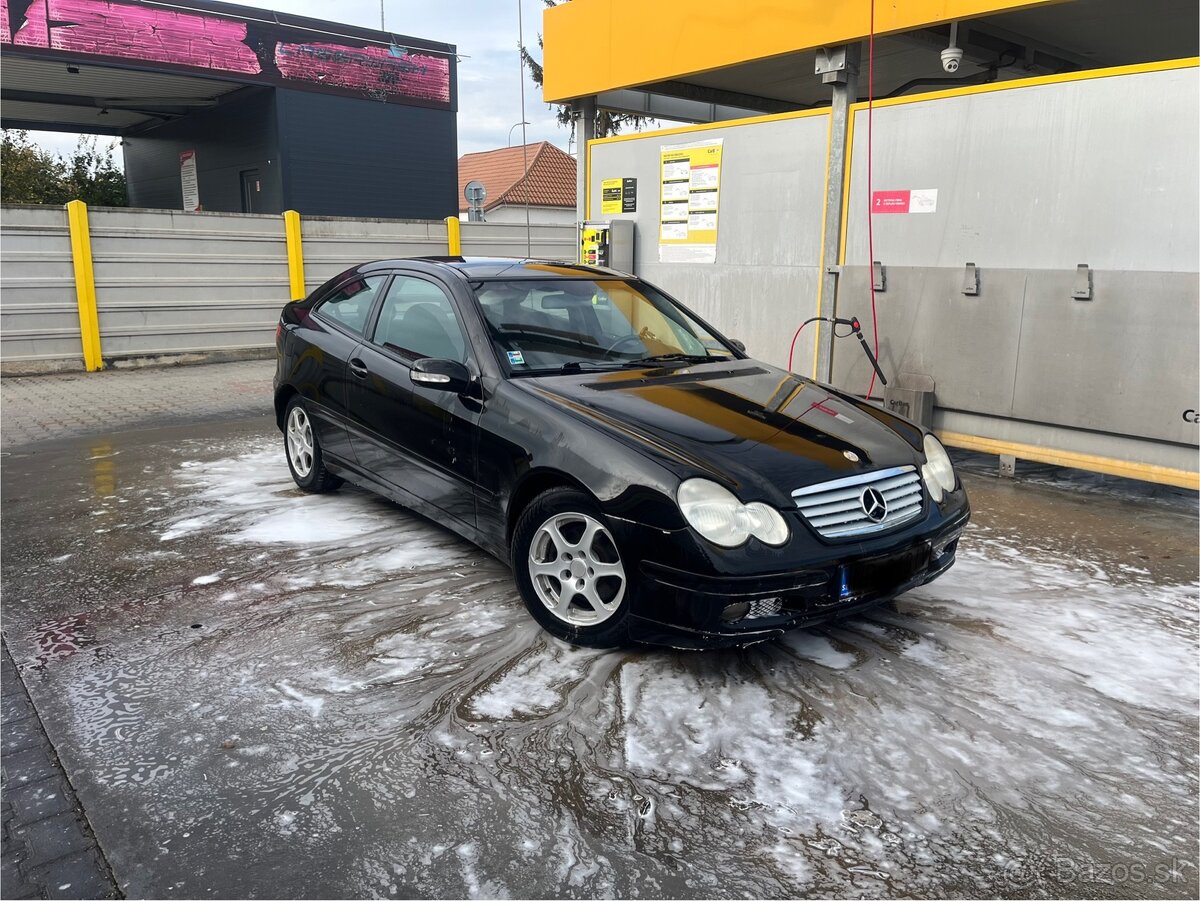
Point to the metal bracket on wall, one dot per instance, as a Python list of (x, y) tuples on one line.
[(1083, 283), (879, 276), (970, 285)]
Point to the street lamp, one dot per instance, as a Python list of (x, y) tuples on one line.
[(510, 131)]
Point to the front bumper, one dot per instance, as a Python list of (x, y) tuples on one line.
[(684, 609)]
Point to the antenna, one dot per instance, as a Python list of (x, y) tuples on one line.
[(524, 142)]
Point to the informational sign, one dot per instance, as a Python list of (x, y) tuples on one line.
[(689, 195), (629, 195), (919, 201), (191, 184), (618, 195), (611, 190)]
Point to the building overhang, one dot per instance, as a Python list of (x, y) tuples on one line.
[(123, 66), (760, 56)]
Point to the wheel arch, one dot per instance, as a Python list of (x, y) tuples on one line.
[(282, 398), (535, 482)]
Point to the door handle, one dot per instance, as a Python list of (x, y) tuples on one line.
[(358, 368)]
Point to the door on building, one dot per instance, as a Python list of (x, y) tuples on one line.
[(251, 191)]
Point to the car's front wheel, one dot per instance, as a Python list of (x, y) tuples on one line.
[(569, 570), (304, 451)]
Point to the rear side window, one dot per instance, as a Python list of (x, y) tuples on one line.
[(350, 305), (418, 320)]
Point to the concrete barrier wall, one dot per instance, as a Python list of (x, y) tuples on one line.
[(169, 283), (38, 315)]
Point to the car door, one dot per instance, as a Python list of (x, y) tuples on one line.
[(331, 333), (418, 440)]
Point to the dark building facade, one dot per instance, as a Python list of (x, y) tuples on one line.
[(269, 111)]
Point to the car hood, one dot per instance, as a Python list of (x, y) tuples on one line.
[(759, 429)]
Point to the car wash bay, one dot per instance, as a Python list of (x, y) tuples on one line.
[(263, 693)]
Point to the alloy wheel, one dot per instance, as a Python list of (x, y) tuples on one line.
[(576, 570), (300, 441)]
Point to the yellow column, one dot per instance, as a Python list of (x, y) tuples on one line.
[(295, 252), (453, 236), (85, 285)]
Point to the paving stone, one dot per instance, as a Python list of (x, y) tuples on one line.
[(54, 837), (20, 735), (40, 800), (78, 876), (27, 767), (44, 407), (14, 707)]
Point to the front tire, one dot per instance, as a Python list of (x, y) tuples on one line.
[(569, 570), (303, 451)]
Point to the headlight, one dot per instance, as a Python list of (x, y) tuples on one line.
[(938, 472), (723, 519)]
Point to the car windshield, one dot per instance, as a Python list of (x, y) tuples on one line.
[(554, 325)]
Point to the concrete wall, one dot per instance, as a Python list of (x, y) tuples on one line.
[(170, 283), (538, 215), (764, 281)]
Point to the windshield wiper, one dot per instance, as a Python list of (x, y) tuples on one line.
[(596, 365), (676, 358)]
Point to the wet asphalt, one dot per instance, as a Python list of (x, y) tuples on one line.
[(258, 693)]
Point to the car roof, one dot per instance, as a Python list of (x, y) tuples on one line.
[(486, 268)]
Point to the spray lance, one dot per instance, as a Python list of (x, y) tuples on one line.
[(855, 329)]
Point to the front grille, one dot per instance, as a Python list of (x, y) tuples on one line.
[(836, 509)]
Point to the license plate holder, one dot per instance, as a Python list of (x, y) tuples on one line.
[(883, 573)]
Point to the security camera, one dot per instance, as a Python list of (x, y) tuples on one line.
[(952, 55)]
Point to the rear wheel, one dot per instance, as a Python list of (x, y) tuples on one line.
[(569, 570), (303, 451)]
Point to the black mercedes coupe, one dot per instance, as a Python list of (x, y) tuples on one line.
[(644, 478)]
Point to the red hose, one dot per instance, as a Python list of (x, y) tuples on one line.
[(792, 349)]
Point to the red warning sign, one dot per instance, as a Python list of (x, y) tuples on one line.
[(890, 201)]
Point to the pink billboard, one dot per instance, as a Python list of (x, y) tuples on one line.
[(200, 40)]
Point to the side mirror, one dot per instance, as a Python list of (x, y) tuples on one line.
[(738, 344), (441, 375)]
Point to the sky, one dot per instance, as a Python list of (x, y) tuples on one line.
[(485, 33)]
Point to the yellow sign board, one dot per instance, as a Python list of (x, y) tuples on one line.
[(611, 195), (689, 195)]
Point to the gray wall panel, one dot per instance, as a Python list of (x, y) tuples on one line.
[(968, 345), (1125, 362), (39, 317), (765, 278), (1101, 171), (349, 157), (235, 136)]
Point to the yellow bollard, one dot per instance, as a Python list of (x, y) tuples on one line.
[(295, 253), (85, 285), (453, 236)]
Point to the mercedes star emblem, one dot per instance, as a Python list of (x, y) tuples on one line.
[(873, 504), (851, 456)]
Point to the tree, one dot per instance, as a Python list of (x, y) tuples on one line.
[(607, 123), (29, 174)]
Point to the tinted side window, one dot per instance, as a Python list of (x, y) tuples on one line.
[(350, 304), (418, 320)]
